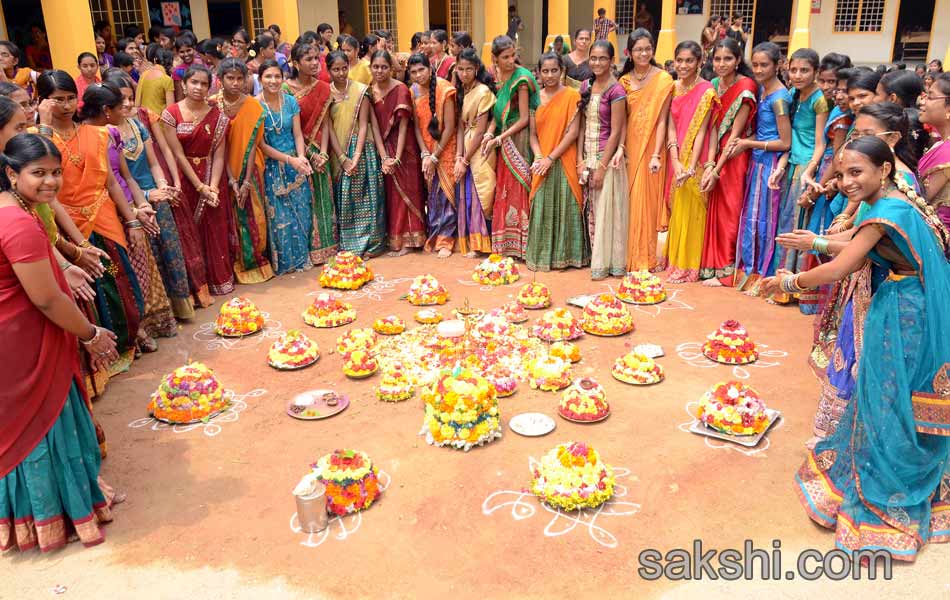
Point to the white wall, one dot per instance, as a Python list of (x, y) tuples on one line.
[(863, 48), (313, 13), (940, 37)]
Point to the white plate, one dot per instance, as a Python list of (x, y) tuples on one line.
[(532, 424), (581, 301), (650, 350), (749, 441)]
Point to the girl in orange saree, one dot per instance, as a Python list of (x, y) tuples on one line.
[(648, 89), (435, 131), (313, 96), (245, 170)]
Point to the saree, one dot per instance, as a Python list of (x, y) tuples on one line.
[(443, 67), (289, 201), (157, 317), (934, 161), (166, 246), (725, 199), (119, 304), (49, 455), (314, 115), (684, 246), (360, 73), (557, 238), (648, 210), (476, 190), (880, 480), (404, 209), (360, 201), (442, 219), (755, 246), (212, 224), (608, 210), (509, 236), (246, 164)]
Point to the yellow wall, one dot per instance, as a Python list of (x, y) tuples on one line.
[(496, 23), (411, 16), (69, 30), (200, 25), (283, 13)]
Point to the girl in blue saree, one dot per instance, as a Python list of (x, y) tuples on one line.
[(877, 479)]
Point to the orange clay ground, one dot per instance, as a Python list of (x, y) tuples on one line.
[(209, 509)]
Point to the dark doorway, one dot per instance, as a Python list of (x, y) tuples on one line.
[(225, 18), (654, 8), (20, 16), (773, 19), (912, 42)]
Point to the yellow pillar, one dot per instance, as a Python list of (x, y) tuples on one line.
[(200, 24), (69, 31), (801, 38), (666, 41), (283, 13), (946, 58), (557, 23), (496, 23), (608, 5), (410, 18)]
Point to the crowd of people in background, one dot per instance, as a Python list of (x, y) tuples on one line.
[(166, 170)]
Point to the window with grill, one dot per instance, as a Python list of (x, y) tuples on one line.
[(460, 16), (624, 15), (727, 8), (381, 14), (125, 13), (99, 10), (859, 15), (257, 17)]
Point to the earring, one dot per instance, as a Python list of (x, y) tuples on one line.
[(883, 183)]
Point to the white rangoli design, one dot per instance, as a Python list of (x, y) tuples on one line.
[(564, 522), (213, 427), (345, 526), (205, 333), (373, 290), (692, 408), (692, 353)]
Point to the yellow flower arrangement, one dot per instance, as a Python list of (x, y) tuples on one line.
[(571, 476), (460, 400)]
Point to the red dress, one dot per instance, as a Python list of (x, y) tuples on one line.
[(404, 195), (205, 230)]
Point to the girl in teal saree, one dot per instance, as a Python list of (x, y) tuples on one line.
[(880, 480)]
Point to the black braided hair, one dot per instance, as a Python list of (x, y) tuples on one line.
[(421, 59), (585, 95)]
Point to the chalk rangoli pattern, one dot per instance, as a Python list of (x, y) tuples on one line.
[(692, 353), (564, 522), (373, 290), (693, 407), (205, 333), (344, 526), (213, 427)]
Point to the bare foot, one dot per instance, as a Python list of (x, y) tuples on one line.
[(471, 254), (712, 282), (444, 253), (402, 252), (119, 497), (810, 444)]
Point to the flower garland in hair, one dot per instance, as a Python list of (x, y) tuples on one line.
[(926, 210)]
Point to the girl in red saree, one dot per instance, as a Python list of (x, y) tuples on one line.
[(195, 131), (725, 183), (440, 59), (313, 96), (399, 152), (49, 458)]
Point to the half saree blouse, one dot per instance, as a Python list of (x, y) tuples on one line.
[(476, 190), (649, 213), (441, 205), (557, 238), (49, 457), (210, 261), (880, 480), (755, 247), (314, 115), (166, 246), (246, 164), (404, 209), (119, 303), (608, 209), (725, 199), (157, 317), (684, 246), (443, 66), (509, 236), (937, 161), (360, 201)]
